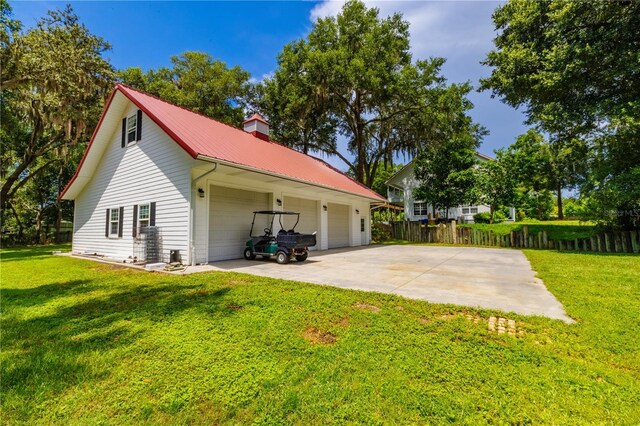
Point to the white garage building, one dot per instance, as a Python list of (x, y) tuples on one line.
[(197, 181)]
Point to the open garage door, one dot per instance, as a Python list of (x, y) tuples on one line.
[(308, 210), (338, 223), (230, 215)]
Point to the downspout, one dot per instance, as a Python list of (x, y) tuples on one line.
[(192, 237)]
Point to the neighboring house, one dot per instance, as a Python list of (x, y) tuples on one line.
[(400, 188), (197, 181)]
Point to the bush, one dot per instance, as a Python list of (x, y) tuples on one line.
[(380, 232), (485, 217)]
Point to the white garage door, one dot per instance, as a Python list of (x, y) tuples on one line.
[(338, 218), (230, 215), (308, 210)]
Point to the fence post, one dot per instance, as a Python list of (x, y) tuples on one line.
[(625, 245)]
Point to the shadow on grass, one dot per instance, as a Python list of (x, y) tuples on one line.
[(33, 296), (31, 252), (45, 354)]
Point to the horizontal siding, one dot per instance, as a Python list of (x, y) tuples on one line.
[(155, 169)]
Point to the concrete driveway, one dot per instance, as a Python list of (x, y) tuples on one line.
[(476, 277)]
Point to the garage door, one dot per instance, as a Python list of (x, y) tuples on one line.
[(338, 218), (308, 210), (230, 214)]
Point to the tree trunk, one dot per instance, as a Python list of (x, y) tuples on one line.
[(492, 211), (39, 236), (560, 213), (20, 226)]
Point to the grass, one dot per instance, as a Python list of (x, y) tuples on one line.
[(556, 230), (89, 343)]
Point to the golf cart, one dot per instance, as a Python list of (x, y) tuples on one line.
[(284, 246)]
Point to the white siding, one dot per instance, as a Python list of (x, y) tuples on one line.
[(155, 169)]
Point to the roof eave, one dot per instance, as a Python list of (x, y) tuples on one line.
[(286, 177)]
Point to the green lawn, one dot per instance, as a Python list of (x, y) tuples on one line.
[(556, 229), (89, 343)]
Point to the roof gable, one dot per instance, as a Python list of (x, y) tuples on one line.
[(203, 137)]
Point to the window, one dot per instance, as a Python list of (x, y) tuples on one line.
[(114, 222), (420, 209), (132, 127), (143, 216), (362, 224), (469, 210)]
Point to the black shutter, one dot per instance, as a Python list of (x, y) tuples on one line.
[(121, 219), (134, 231), (152, 214), (124, 132), (106, 229), (139, 123)]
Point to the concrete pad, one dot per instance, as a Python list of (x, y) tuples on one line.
[(476, 277)]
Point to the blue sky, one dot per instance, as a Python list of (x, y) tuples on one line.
[(251, 34)]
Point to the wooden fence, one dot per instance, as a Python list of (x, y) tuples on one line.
[(605, 242)]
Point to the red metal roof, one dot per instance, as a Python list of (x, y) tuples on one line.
[(199, 135)]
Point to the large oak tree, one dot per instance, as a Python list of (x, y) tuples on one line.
[(574, 68), (354, 75)]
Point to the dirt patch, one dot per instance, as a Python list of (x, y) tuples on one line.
[(234, 307), (367, 307), (319, 337), (344, 322)]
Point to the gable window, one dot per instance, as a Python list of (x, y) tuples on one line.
[(113, 227), (420, 209), (132, 128)]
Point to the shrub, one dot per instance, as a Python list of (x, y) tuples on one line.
[(380, 232), (485, 217)]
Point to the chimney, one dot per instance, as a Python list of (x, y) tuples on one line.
[(257, 126)]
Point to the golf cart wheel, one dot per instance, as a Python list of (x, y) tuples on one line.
[(302, 257), (282, 258), (248, 254)]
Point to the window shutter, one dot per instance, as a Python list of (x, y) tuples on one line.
[(124, 133), (152, 214), (106, 229), (139, 126), (120, 220), (134, 231)]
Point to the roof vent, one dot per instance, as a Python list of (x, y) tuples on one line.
[(257, 126)]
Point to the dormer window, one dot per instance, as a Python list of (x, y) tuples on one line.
[(132, 128)]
